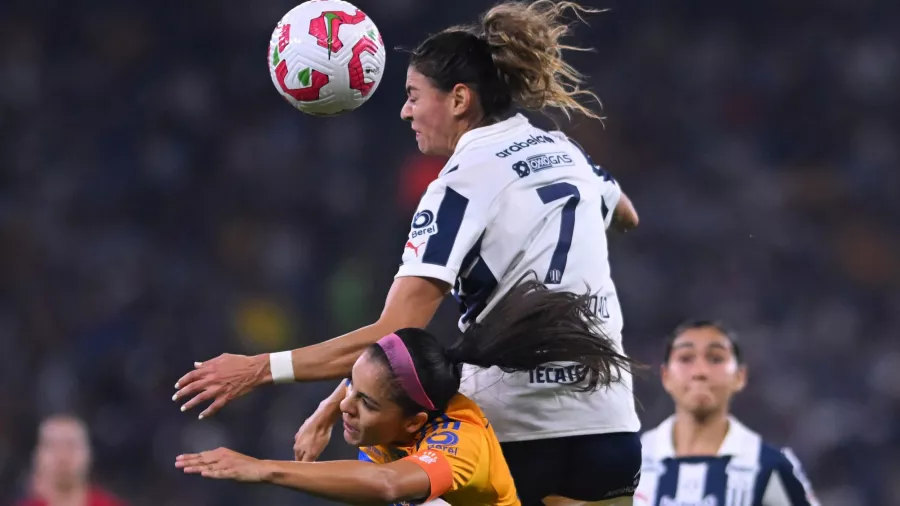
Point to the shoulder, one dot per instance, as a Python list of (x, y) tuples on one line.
[(495, 160), (771, 456), (656, 443), (781, 459), (648, 438), (788, 481), (461, 423), (477, 170)]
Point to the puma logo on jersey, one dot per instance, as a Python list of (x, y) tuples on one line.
[(410, 245), (517, 146)]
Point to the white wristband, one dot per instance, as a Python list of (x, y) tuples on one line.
[(282, 367)]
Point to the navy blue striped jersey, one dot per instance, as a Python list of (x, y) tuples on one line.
[(746, 472), (514, 199)]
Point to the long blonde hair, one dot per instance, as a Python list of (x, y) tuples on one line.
[(525, 45), (513, 56)]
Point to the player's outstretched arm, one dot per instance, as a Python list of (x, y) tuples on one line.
[(344, 480), (411, 302)]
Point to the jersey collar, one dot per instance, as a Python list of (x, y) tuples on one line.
[(516, 122), (737, 439)]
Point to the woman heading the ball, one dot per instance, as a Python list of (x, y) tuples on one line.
[(419, 438), (511, 199)]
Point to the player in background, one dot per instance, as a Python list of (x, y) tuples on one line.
[(702, 455), (511, 199), (62, 463), (419, 438)]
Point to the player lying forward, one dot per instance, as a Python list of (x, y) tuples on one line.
[(420, 438)]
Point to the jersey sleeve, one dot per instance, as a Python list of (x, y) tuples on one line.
[(788, 485), (611, 193), (449, 221), (450, 458)]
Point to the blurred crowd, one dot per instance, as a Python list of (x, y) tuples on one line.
[(161, 204)]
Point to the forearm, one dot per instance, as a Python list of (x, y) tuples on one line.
[(345, 481), (329, 410), (330, 360), (334, 358), (411, 302)]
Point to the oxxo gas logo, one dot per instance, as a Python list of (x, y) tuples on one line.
[(423, 225), (543, 161), (517, 146)]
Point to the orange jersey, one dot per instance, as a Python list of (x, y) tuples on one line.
[(461, 455)]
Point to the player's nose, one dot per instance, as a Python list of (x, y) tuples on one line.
[(346, 406), (700, 370), (406, 111)]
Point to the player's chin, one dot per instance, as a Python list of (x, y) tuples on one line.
[(702, 404), (352, 438)]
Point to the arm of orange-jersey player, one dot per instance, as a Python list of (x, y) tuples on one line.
[(354, 481), (347, 481), (450, 457), (315, 433)]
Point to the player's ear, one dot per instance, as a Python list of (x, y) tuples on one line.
[(740, 378), (462, 99), (664, 376), (414, 423)]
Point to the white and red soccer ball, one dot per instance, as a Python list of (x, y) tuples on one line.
[(326, 57)]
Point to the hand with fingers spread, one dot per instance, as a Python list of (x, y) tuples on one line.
[(221, 380), (223, 464), (411, 302)]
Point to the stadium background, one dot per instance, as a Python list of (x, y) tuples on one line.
[(159, 204)]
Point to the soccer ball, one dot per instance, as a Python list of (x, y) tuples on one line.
[(326, 57)]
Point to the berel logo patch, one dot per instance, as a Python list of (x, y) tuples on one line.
[(423, 225)]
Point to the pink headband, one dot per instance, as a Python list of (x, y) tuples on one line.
[(402, 365)]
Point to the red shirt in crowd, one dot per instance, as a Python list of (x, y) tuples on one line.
[(96, 497)]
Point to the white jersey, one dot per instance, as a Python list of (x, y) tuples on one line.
[(745, 472), (512, 199)]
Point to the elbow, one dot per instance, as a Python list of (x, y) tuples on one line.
[(386, 487), (626, 222), (633, 220), (390, 494)]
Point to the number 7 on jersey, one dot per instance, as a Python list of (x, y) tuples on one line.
[(552, 193)]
